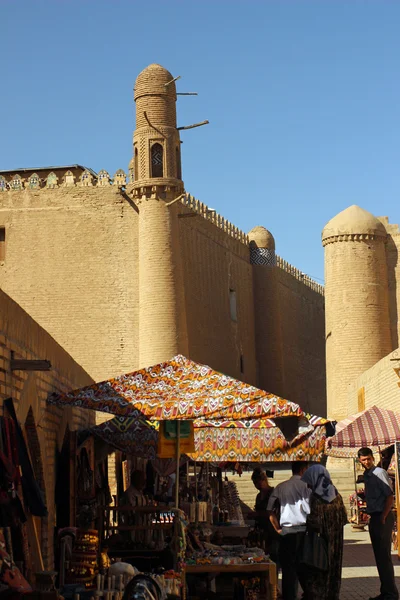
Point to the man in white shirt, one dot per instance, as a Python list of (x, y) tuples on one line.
[(291, 499)]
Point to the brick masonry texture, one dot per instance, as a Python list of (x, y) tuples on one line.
[(45, 425), (362, 295), (289, 311), (72, 262), (357, 315), (381, 385)]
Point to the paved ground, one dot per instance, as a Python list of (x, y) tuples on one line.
[(360, 578)]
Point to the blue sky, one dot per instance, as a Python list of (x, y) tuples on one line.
[(303, 99)]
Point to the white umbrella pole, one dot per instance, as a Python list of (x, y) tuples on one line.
[(178, 457)]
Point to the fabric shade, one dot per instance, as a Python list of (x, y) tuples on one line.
[(218, 443), (257, 445), (178, 389), (374, 428)]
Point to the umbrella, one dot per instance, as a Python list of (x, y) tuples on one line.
[(375, 427), (178, 389)]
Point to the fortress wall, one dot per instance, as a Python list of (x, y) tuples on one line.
[(215, 262), (29, 390), (393, 268), (71, 261), (379, 386), (216, 259), (302, 317)]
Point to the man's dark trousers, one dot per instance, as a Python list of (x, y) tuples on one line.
[(290, 548), (381, 539)]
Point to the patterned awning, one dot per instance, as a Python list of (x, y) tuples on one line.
[(178, 389), (375, 428), (257, 445), (218, 442)]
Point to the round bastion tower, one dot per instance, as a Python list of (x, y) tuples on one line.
[(270, 374), (157, 182), (356, 302)]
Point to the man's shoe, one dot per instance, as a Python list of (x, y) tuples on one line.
[(379, 597)]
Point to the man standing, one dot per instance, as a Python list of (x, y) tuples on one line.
[(379, 499), (293, 500)]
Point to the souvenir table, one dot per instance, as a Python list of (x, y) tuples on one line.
[(266, 571), (252, 563)]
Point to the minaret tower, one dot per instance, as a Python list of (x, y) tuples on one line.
[(157, 182), (356, 302)]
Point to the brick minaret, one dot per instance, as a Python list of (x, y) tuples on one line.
[(356, 302), (157, 181)]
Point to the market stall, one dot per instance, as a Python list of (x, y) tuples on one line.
[(376, 428), (230, 421)]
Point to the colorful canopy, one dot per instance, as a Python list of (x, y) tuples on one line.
[(219, 443), (257, 445), (178, 389), (374, 428)]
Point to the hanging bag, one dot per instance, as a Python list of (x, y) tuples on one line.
[(315, 551)]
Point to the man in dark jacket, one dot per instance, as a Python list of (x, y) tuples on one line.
[(379, 499)]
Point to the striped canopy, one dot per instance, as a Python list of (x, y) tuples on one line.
[(375, 428), (178, 389)]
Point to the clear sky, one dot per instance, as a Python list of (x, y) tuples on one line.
[(303, 99)]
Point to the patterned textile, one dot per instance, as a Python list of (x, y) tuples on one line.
[(178, 389), (329, 519), (314, 420), (131, 435), (256, 445), (374, 427), (217, 444)]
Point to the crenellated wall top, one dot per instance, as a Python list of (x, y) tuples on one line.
[(55, 179), (211, 215), (88, 178)]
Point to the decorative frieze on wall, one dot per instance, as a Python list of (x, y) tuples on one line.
[(87, 179), (120, 179)]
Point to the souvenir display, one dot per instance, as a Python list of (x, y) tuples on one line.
[(83, 564)]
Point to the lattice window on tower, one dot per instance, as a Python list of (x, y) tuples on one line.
[(157, 161), (262, 256)]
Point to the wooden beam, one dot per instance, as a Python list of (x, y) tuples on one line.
[(193, 126)]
